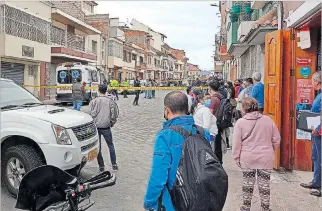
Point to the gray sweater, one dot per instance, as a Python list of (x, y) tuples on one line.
[(104, 111), (78, 92)]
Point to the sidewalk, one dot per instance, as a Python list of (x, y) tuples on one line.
[(286, 193), (50, 102)]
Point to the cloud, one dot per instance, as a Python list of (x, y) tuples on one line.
[(189, 25)]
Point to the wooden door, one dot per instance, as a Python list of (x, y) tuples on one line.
[(273, 81)]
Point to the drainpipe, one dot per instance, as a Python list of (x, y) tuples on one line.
[(279, 7)]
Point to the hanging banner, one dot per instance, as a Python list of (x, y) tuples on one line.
[(305, 92)]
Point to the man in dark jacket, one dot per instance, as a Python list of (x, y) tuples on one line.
[(137, 92)]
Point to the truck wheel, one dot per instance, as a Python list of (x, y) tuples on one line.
[(16, 161)]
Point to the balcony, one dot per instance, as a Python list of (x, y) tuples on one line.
[(68, 45), (68, 20), (140, 65), (129, 65)]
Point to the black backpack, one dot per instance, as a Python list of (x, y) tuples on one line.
[(225, 113), (201, 182)]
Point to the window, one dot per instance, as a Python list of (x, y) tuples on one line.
[(129, 57), (94, 76), (12, 94), (134, 57), (124, 56), (68, 76), (94, 46)]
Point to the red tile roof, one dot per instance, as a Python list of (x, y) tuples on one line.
[(193, 67)]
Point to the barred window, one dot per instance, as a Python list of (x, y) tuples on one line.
[(24, 25)]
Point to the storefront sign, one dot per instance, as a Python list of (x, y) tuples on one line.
[(305, 72), (302, 61), (305, 92)]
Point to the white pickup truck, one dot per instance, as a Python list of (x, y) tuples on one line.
[(34, 134)]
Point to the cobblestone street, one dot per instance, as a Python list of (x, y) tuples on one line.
[(134, 137)]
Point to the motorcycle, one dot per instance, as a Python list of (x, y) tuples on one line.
[(48, 188)]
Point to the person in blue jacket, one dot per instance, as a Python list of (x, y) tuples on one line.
[(258, 90), (167, 151), (315, 185)]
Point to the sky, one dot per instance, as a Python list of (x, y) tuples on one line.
[(188, 25)]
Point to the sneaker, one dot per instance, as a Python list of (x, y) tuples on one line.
[(115, 167), (316, 193), (102, 169)]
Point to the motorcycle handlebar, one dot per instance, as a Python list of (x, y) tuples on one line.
[(99, 183), (103, 184)]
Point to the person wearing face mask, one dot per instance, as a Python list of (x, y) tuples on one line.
[(167, 151), (202, 114)]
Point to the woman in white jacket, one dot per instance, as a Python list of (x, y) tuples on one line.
[(202, 114)]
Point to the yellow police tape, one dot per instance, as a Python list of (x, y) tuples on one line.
[(171, 88)]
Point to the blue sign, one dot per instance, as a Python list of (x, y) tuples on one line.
[(62, 74), (75, 73), (305, 72)]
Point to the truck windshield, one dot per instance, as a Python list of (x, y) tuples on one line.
[(68, 76), (12, 95)]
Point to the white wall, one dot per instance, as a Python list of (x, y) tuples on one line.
[(35, 8), (13, 48), (156, 36)]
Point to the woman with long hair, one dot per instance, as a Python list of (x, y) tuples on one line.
[(256, 138)]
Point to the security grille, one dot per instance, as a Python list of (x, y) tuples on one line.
[(20, 24)]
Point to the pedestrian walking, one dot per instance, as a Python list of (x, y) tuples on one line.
[(149, 92), (126, 85), (154, 84), (104, 111), (137, 92), (78, 92), (256, 137), (257, 91), (315, 184), (179, 131)]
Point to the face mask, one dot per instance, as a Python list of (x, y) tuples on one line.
[(207, 103)]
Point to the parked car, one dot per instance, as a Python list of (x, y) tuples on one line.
[(34, 134)]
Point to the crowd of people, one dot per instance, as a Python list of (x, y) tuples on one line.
[(206, 116), (255, 138)]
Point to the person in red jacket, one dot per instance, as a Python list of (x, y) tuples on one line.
[(237, 87)]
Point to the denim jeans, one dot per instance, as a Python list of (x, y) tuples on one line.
[(149, 94), (107, 134), (316, 157), (77, 105)]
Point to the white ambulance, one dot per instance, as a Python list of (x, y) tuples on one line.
[(66, 75)]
